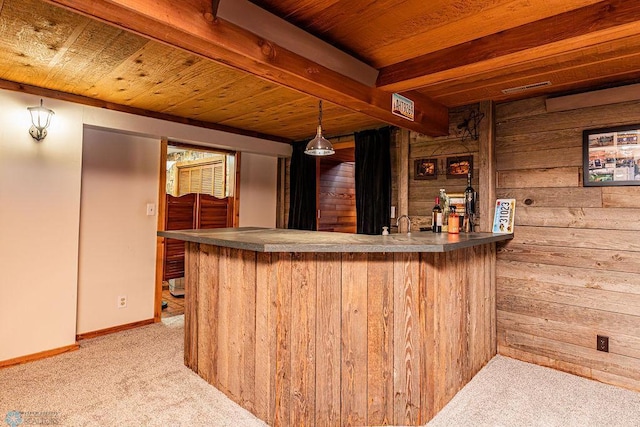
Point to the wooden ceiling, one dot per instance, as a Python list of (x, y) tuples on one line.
[(176, 60)]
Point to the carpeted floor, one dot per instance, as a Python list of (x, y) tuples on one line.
[(142, 382), (137, 378)]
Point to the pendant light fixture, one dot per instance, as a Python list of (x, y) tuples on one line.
[(319, 146)]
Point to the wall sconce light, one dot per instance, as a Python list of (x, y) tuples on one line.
[(319, 146), (469, 126), (41, 118)]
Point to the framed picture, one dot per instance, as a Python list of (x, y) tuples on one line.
[(458, 167), (611, 156), (426, 169)]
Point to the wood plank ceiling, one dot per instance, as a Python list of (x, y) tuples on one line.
[(175, 60)]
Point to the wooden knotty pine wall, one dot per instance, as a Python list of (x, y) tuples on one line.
[(573, 269)]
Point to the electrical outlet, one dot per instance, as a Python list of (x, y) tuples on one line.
[(602, 343), (122, 301)]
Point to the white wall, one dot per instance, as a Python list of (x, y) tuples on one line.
[(120, 175), (258, 190), (40, 190), (39, 215)]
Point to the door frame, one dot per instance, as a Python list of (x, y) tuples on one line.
[(162, 209)]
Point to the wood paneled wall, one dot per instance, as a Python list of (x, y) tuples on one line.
[(573, 269), (303, 339), (423, 192), (337, 196)]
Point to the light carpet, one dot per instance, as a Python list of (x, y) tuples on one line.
[(137, 378)]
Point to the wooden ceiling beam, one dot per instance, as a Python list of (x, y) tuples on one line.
[(599, 17), (190, 25)]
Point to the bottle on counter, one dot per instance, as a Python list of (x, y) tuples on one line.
[(469, 205), (444, 204), (454, 221), (436, 219)]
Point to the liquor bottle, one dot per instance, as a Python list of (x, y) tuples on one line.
[(436, 224), (469, 205), (444, 204)]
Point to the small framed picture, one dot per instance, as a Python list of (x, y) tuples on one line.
[(426, 169), (611, 156), (458, 167)]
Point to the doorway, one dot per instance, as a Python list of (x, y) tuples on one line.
[(198, 191), (336, 190)]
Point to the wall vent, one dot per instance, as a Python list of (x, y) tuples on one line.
[(525, 87)]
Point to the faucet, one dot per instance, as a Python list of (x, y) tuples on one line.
[(408, 221)]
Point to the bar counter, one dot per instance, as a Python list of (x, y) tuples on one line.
[(313, 328), (284, 240)]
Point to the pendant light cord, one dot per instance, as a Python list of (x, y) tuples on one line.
[(320, 114)]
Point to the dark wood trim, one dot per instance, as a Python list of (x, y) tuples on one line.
[(83, 100), (416, 72), (37, 356), (223, 42), (114, 329)]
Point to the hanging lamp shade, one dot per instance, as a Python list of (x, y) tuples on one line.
[(319, 145)]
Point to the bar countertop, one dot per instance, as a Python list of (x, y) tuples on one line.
[(285, 240)]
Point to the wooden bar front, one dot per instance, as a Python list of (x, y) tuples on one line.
[(339, 338)]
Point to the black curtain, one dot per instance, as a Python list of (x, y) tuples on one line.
[(302, 197), (373, 180)]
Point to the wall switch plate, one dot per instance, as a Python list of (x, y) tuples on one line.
[(122, 301), (393, 211), (602, 343), (151, 209)]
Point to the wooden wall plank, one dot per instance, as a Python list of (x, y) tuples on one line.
[(613, 363), (227, 320), (247, 277), (575, 197), (431, 344), (487, 167), (266, 336), (578, 238), (567, 332), (192, 259), (547, 178), (541, 159), (406, 339), (283, 399), (619, 260), (328, 337), (596, 117), (354, 339), (380, 323), (612, 281), (207, 308), (620, 197), (577, 296), (570, 217), (303, 338), (595, 319), (551, 140)]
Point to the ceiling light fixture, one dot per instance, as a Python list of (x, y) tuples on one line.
[(319, 146), (41, 118)]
